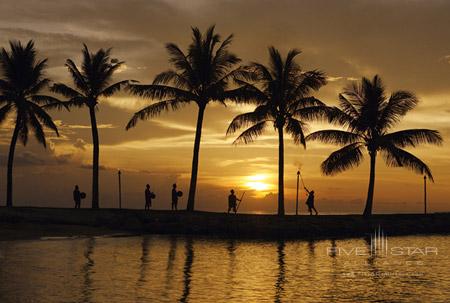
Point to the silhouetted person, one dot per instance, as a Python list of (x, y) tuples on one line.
[(77, 196), (310, 201), (174, 197), (148, 197), (232, 202)]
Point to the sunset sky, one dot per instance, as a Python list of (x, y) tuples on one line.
[(406, 42)]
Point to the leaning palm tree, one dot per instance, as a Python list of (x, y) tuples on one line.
[(200, 76), (92, 82), (282, 95), (368, 115), (21, 84)]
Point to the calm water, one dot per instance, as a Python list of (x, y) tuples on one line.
[(179, 269)]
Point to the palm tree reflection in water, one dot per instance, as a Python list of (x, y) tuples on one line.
[(87, 270), (281, 279), (187, 271)]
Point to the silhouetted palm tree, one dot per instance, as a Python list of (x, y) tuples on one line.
[(92, 82), (281, 93), (201, 76), (368, 115), (21, 85)]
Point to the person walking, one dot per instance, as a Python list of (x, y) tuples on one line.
[(77, 196)]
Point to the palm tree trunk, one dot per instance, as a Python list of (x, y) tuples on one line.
[(9, 177), (95, 158), (280, 172), (369, 202), (198, 135)]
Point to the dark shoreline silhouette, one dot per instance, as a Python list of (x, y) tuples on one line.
[(39, 222)]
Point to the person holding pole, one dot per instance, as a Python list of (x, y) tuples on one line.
[(310, 201), (232, 202)]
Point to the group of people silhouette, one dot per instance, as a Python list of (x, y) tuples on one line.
[(233, 204), (149, 195)]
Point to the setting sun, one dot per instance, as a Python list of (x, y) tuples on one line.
[(257, 182)]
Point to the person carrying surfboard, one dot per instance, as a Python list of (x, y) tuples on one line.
[(148, 197), (175, 195), (77, 196)]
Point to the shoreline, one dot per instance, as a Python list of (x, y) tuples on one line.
[(20, 223)]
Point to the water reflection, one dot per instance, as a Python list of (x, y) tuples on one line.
[(145, 259), (187, 270), (170, 264), (230, 281), (87, 270), (162, 269), (281, 277)]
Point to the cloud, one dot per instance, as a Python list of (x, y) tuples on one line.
[(80, 143)]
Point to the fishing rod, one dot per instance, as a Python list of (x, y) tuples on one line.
[(237, 208)]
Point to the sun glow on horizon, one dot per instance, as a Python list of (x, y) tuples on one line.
[(258, 182)]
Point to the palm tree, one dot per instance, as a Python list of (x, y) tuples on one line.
[(282, 95), (200, 76), (21, 85), (367, 115), (92, 83)]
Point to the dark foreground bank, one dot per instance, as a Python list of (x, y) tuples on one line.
[(32, 222)]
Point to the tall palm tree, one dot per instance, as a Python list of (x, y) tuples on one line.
[(282, 95), (21, 84), (368, 114), (92, 82), (200, 76)]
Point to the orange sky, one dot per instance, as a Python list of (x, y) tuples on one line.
[(406, 42)]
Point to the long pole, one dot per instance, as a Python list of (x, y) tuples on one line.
[(120, 190), (425, 194), (296, 199), (239, 204)]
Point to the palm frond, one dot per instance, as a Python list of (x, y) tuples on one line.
[(43, 116), (171, 76), (397, 157), (154, 110), (412, 137), (37, 129), (343, 159), (65, 90), (333, 136), (78, 78), (244, 120), (114, 88), (153, 91), (297, 130), (396, 107), (4, 111), (251, 133)]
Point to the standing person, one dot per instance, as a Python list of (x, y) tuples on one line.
[(174, 197), (232, 199), (148, 197), (310, 202), (77, 196)]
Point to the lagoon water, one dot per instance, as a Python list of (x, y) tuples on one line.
[(157, 268)]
